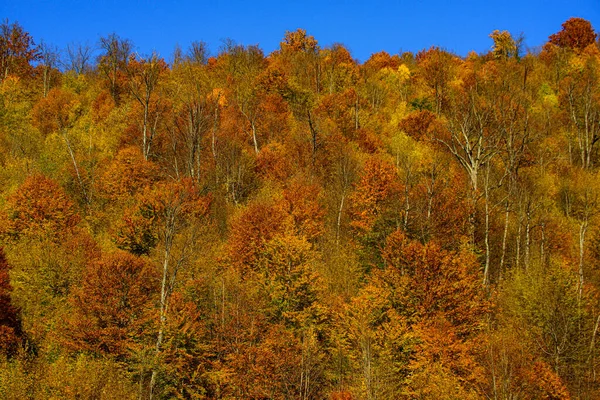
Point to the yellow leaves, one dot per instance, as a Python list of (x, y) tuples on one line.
[(218, 95), (408, 152), (403, 73), (299, 41), (576, 64), (504, 44), (398, 114)]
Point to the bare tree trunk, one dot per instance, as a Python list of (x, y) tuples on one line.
[(75, 165), (486, 271), (339, 219), (527, 237), (542, 245), (254, 140), (504, 234), (518, 240), (214, 130), (164, 290), (582, 231)]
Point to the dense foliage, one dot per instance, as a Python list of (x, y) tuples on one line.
[(300, 225)]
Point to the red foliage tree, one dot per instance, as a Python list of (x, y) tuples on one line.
[(576, 33), (17, 51), (250, 230), (10, 324), (40, 207), (377, 187), (113, 306)]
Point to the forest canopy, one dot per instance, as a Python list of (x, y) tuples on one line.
[(243, 225)]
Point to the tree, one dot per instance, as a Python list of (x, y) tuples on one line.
[(40, 207), (471, 141), (375, 203), (113, 63), (113, 307), (579, 91), (10, 324), (170, 214), (504, 45), (250, 230), (194, 111), (78, 57), (57, 113), (126, 175), (17, 51), (244, 65), (299, 57), (576, 33), (49, 57), (437, 68), (144, 77)]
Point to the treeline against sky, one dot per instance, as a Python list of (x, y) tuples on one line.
[(298, 225)]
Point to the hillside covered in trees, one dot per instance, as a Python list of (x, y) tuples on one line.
[(298, 225)]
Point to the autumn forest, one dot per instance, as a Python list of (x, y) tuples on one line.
[(300, 225)]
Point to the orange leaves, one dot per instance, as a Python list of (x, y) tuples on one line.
[(17, 51), (250, 230), (299, 41), (102, 105), (544, 383), (382, 60), (302, 204), (113, 305), (273, 162), (54, 112), (166, 207), (376, 189), (440, 283), (298, 213), (417, 124), (40, 207), (126, 175), (218, 96)]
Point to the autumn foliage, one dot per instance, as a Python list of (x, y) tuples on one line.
[(299, 224)]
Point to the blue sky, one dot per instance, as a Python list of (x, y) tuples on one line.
[(364, 27)]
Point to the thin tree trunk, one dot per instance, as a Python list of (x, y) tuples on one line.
[(527, 238), (582, 231), (74, 161), (254, 140), (486, 271), (518, 241), (504, 234), (339, 219)]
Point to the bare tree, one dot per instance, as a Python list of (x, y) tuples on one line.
[(112, 63), (143, 82), (78, 57), (49, 61)]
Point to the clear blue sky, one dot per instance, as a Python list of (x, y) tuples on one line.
[(364, 27)]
